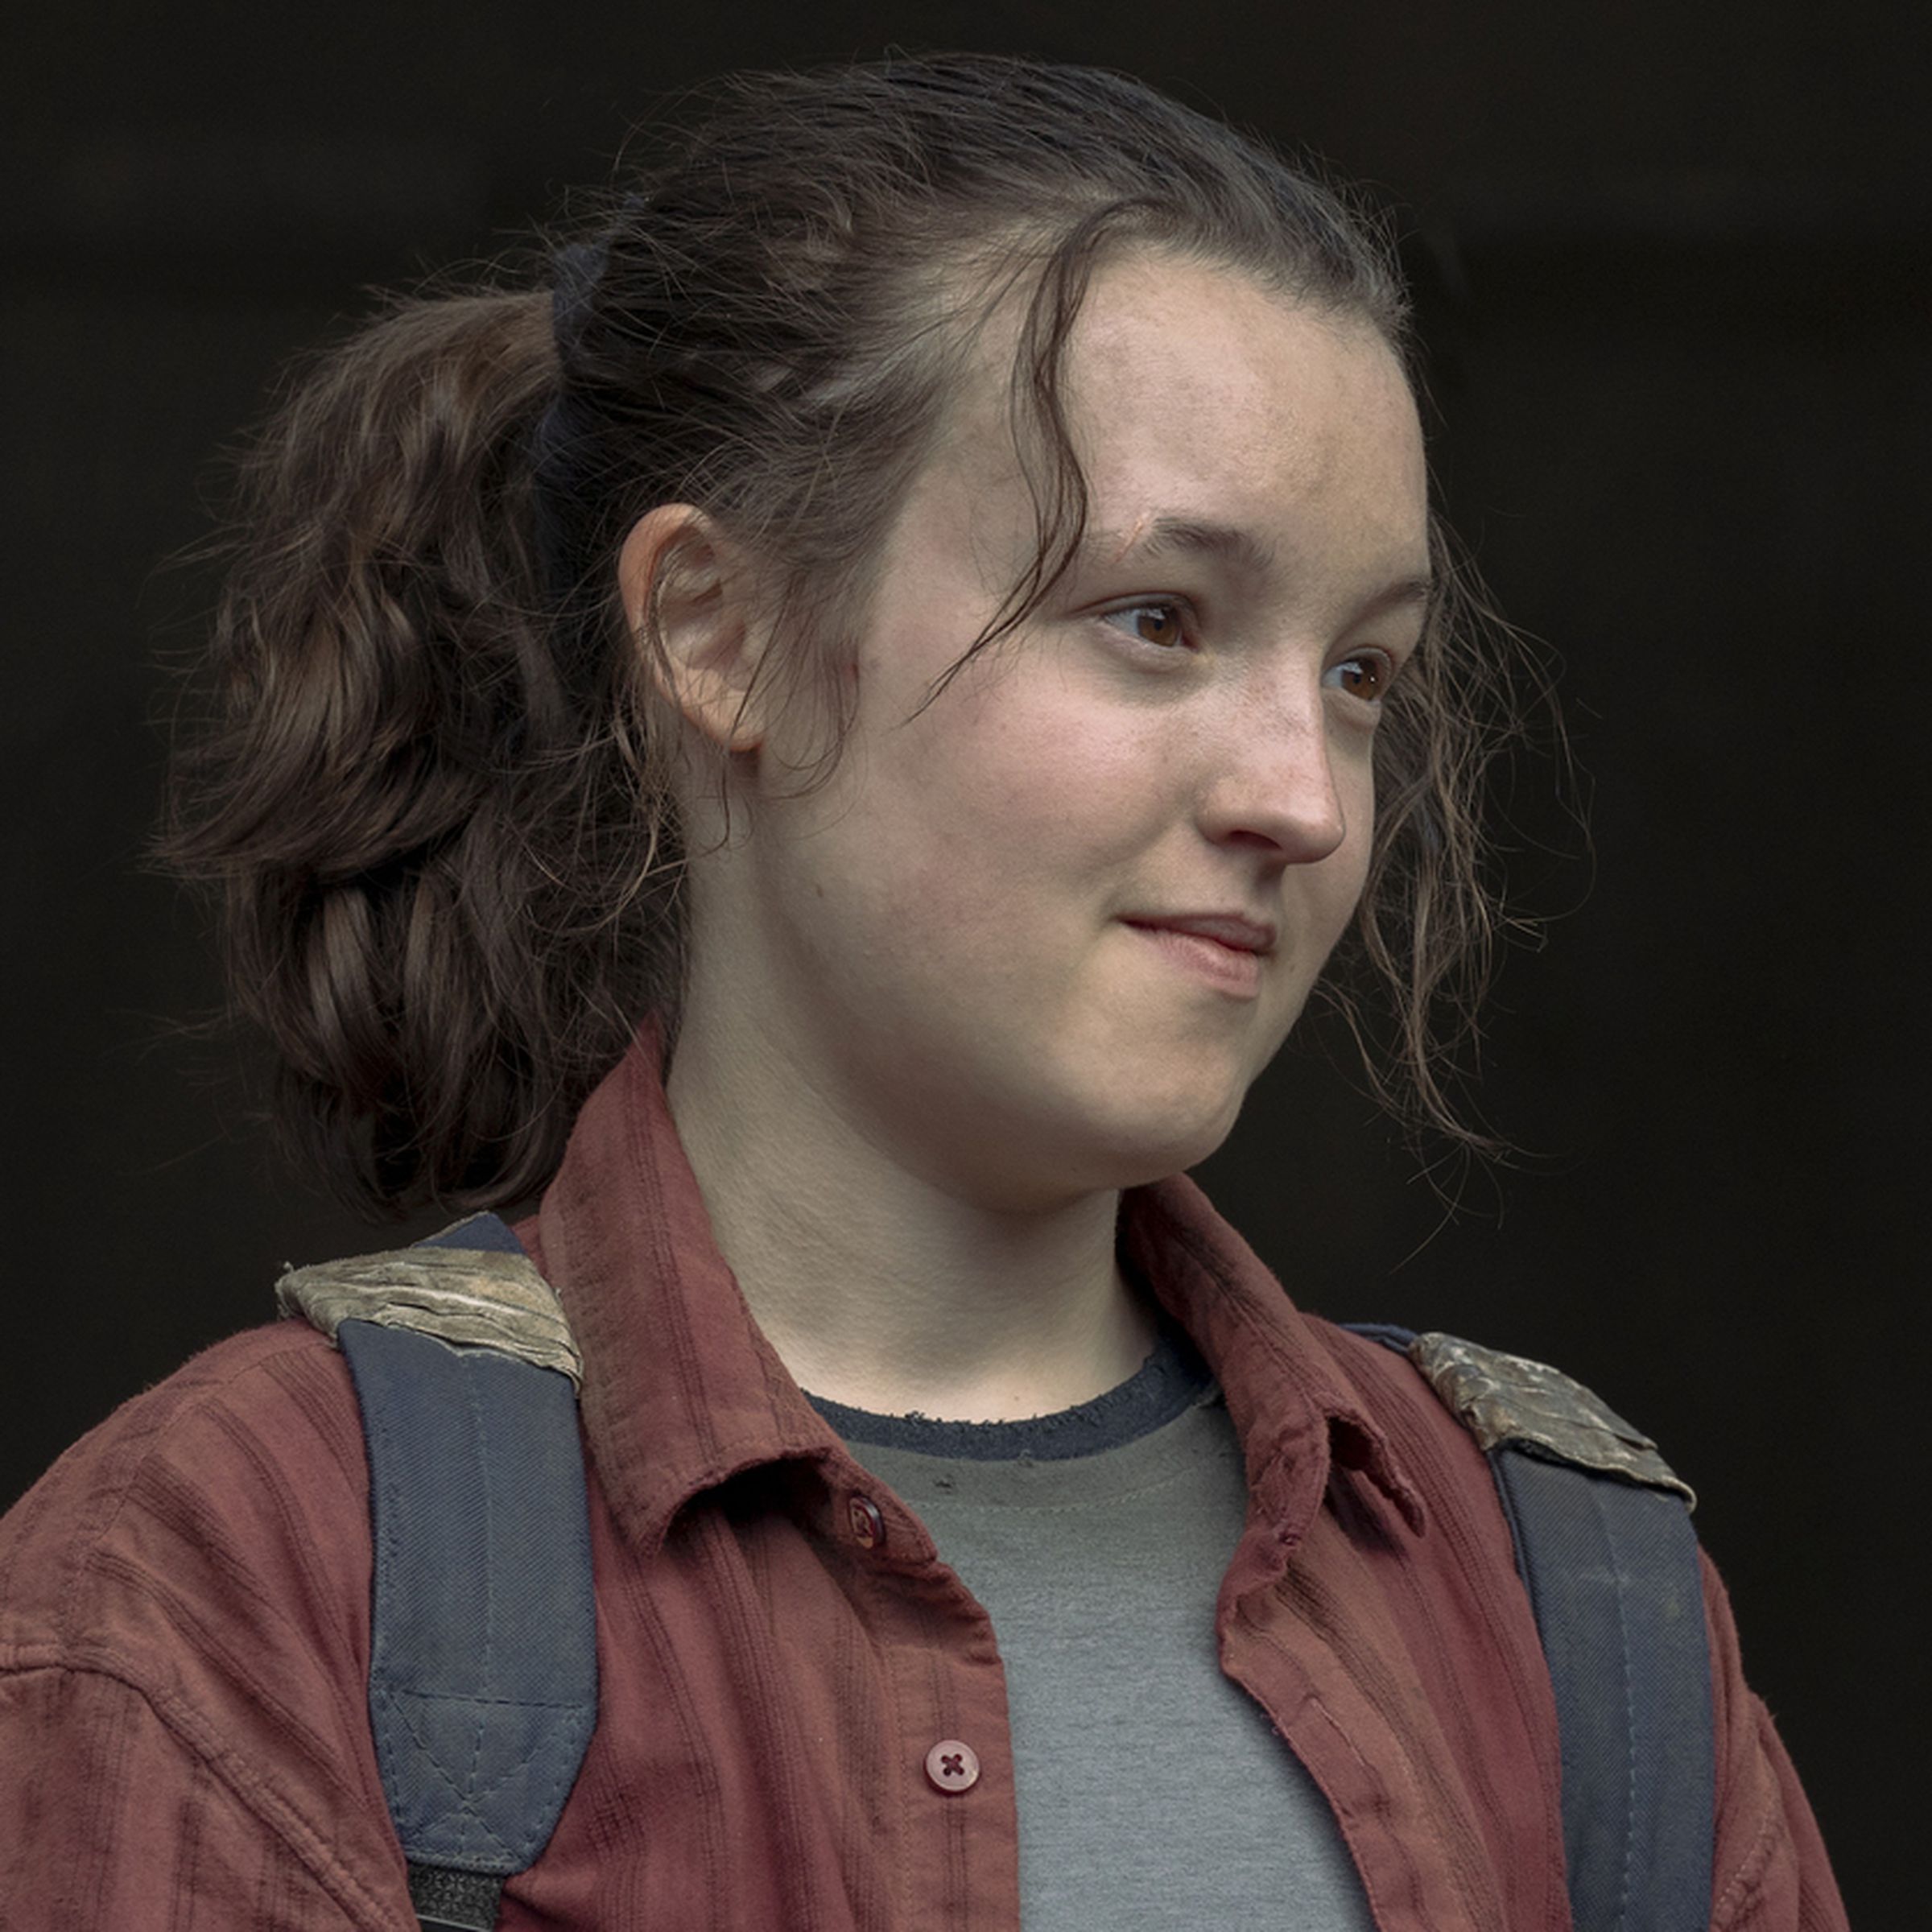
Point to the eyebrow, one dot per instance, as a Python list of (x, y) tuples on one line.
[(1157, 536), (1230, 543), (1404, 592)]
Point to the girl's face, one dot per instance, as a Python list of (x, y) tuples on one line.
[(1038, 939)]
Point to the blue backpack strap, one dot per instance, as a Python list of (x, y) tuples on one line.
[(482, 1682), (1604, 1545)]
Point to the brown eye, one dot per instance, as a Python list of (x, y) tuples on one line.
[(1159, 625), (1366, 675)]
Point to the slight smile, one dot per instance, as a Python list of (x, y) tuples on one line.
[(1224, 949)]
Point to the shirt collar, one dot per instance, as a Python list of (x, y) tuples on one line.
[(1295, 1408), (681, 1391)]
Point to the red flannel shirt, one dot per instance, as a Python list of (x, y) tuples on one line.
[(184, 1629)]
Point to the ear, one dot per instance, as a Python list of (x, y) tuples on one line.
[(690, 601)]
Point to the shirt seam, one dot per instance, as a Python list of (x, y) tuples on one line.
[(302, 1339), (181, 1725)]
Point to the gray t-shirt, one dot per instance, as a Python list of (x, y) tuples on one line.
[(1152, 1791)]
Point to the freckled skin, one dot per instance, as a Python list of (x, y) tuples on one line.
[(932, 946)]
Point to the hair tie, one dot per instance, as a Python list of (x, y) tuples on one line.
[(575, 273)]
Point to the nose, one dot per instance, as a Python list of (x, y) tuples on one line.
[(1275, 785)]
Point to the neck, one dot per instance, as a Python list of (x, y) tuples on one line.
[(881, 1288)]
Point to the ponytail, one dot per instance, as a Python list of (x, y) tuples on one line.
[(408, 754)]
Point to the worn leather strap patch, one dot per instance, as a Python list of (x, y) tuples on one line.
[(476, 1296), (1508, 1400)]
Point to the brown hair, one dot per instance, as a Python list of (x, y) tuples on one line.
[(432, 786)]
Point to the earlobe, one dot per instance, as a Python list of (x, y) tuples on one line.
[(689, 603)]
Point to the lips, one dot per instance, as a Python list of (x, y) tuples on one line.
[(1221, 951), (1233, 930)]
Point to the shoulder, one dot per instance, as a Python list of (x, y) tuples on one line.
[(1769, 1868), (228, 1499), (1497, 1400), (184, 1655)]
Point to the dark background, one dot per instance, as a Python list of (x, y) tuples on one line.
[(1674, 263)]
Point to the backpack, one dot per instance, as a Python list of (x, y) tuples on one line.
[(483, 1687)]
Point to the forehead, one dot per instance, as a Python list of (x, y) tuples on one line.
[(1194, 393)]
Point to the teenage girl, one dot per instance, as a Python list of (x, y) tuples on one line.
[(826, 741)]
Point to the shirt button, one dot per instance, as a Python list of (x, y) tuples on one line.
[(867, 1526), (952, 1766)]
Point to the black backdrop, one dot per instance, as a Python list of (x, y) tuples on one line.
[(1674, 264)]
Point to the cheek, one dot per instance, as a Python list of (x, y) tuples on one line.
[(1000, 836), (1034, 783)]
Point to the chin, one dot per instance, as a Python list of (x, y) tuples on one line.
[(1095, 1122), (1164, 1140)]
